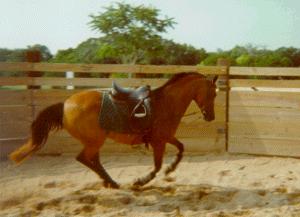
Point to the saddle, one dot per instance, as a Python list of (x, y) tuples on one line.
[(127, 110), (121, 93)]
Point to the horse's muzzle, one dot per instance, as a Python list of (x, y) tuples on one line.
[(209, 119)]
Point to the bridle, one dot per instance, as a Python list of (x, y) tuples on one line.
[(202, 108)]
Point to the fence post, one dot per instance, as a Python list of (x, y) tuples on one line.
[(33, 56), (225, 87)]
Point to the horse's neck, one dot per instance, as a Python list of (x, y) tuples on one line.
[(179, 95)]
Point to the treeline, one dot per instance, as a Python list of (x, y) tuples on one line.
[(97, 51), (254, 56), (19, 55)]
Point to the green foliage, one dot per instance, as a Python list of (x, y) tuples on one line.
[(99, 51), (178, 54), (107, 54), (132, 31), (84, 53), (65, 56), (8, 55), (286, 62), (93, 50), (244, 60), (212, 58), (255, 56), (293, 54), (18, 55), (122, 19)]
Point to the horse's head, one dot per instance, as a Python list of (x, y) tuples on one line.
[(205, 98)]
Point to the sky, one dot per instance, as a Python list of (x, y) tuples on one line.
[(208, 24)]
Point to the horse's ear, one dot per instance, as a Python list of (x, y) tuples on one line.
[(212, 79), (215, 79)]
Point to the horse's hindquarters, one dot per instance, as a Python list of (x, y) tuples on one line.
[(81, 112)]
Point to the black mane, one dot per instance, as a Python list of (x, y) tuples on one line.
[(179, 76)]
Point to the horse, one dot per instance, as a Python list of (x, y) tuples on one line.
[(79, 115)]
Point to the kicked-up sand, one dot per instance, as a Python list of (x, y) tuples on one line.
[(214, 185)]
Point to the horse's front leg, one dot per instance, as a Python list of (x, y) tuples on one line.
[(180, 148), (158, 153)]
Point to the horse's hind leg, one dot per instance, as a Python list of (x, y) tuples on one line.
[(89, 156), (180, 148), (158, 153)]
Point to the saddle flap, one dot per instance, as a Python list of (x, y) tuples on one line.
[(132, 117)]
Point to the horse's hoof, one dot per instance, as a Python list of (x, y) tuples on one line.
[(169, 179), (168, 170), (111, 185), (135, 187), (139, 183)]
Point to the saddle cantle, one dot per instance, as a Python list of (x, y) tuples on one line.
[(127, 110)]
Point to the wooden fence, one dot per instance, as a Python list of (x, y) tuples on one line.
[(264, 114), (250, 117)]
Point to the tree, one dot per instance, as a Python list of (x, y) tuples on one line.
[(251, 55), (8, 55), (244, 60), (238, 51), (177, 54), (293, 54), (93, 50), (44, 50), (212, 58), (131, 31)]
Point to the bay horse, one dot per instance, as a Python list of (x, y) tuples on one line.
[(79, 115)]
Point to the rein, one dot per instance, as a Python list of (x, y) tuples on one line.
[(190, 114)]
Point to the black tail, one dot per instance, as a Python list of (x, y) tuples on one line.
[(51, 118)]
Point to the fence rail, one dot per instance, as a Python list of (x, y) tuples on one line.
[(265, 71), (248, 118), (110, 68)]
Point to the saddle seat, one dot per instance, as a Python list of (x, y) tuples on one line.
[(130, 94)]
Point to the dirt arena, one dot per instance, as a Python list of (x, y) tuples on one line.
[(214, 185)]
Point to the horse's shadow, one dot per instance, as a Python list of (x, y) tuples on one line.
[(215, 197), (165, 197), (191, 198)]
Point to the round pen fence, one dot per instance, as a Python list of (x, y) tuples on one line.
[(264, 111), (257, 109), (20, 103)]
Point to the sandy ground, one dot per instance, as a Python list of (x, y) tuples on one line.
[(215, 185)]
